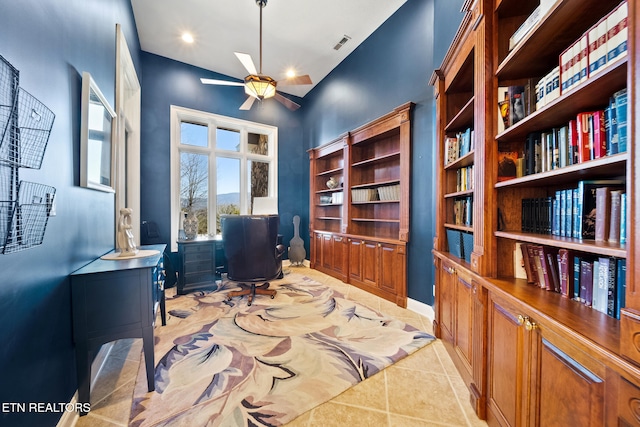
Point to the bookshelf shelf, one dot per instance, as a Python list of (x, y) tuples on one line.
[(459, 194), (466, 160), (383, 158), (462, 120), (377, 184), (603, 167), (459, 227), (587, 246), (330, 172)]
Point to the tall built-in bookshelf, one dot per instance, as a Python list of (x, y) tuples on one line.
[(541, 304), (359, 205)]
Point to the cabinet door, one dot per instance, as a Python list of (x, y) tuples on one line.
[(506, 391), (325, 259), (445, 300), (370, 263), (340, 262), (464, 322), (577, 394), (391, 276), (317, 250), (355, 259)]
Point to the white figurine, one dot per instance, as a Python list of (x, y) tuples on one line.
[(126, 242)]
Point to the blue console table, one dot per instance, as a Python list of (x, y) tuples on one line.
[(113, 300)]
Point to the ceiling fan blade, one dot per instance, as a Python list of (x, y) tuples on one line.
[(247, 62), (246, 105), (287, 102), (297, 80), (221, 82)]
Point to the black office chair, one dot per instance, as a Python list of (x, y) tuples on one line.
[(252, 252)]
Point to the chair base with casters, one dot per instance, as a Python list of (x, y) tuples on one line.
[(251, 290), (252, 252)]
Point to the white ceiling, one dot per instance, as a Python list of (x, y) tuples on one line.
[(296, 33)]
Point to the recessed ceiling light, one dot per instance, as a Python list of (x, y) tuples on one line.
[(187, 38), (291, 73)]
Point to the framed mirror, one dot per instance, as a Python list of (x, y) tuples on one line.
[(96, 138)]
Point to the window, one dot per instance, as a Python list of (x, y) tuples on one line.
[(218, 165)]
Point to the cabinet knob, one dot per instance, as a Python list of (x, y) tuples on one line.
[(379, 245), (450, 270), (522, 319), (530, 325)]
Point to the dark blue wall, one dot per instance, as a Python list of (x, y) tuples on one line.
[(391, 67), (52, 42), (165, 83)]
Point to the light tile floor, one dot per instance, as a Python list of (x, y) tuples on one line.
[(423, 389)]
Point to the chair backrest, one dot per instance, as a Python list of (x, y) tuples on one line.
[(249, 243)]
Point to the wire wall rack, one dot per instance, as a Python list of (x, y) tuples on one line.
[(25, 127)]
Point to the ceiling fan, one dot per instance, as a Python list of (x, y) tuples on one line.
[(257, 85)]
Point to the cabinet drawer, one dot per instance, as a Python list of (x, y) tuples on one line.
[(198, 266), (198, 256), (198, 249), (200, 277)]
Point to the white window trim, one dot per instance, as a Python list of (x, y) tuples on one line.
[(182, 114)]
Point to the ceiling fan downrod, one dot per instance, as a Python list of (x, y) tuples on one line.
[(261, 4)]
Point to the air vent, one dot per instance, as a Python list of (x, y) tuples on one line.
[(342, 41)]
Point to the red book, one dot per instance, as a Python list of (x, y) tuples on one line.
[(574, 153), (583, 132), (599, 135)]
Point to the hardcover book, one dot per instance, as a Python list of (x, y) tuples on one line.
[(621, 118), (603, 213), (611, 127), (565, 267), (586, 282), (598, 47), (617, 33), (516, 104), (615, 216), (621, 286)]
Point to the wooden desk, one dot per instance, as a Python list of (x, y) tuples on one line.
[(113, 300)]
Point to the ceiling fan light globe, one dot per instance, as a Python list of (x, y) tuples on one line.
[(261, 87)]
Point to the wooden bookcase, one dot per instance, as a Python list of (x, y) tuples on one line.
[(530, 356), (361, 237)]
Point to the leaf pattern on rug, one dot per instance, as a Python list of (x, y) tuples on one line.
[(229, 364)]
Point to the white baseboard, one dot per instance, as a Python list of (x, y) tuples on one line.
[(69, 419), (421, 308)]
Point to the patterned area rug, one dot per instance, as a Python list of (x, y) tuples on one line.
[(223, 363)]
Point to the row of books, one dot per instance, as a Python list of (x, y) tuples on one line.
[(591, 135), (514, 104), (600, 46), (598, 282), (463, 211), (548, 88), (595, 210), (458, 146), (464, 178)]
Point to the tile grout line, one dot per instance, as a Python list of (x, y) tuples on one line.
[(455, 393)]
